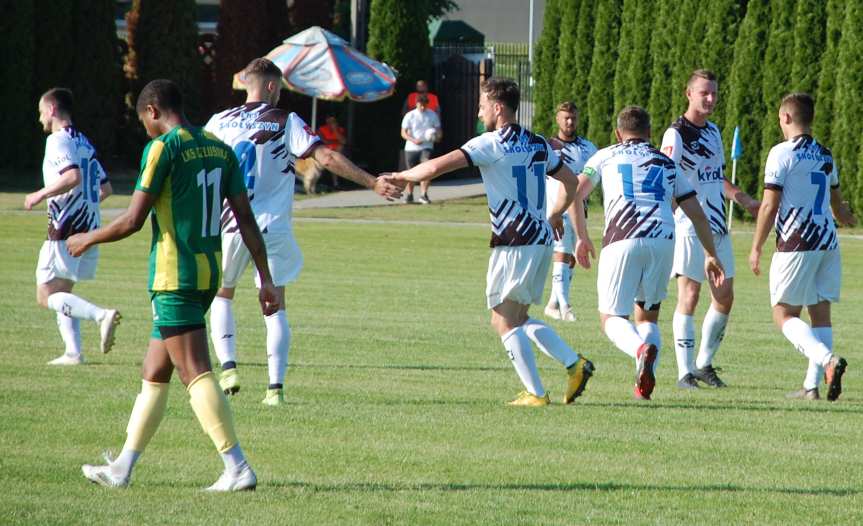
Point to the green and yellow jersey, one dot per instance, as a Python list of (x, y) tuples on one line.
[(190, 172)]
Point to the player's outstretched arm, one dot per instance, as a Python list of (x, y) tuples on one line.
[(712, 267), (841, 209), (254, 241), (67, 181), (736, 194), (432, 168), (343, 167), (123, 226), (584, 250), (769, 208)]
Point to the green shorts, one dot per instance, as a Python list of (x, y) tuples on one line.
[(179, 308)]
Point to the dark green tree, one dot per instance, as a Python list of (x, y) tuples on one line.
[(583, 61), (662, 51), (848, 105), (625, 50), (827, 77), (809, 30), (600, 100), (691, 22), (717, 49), (565, 69), (745, 106), (775, 72), (17, 92), (638, 76), (545, 55)]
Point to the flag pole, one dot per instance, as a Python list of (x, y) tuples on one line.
[(731, 201), (736, 152)]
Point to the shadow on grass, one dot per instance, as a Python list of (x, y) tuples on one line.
[(372, 487)]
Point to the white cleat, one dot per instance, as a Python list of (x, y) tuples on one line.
[(567, 314), (242, 480), (552, 312), (103, 476), (106, 330), (68, 359)]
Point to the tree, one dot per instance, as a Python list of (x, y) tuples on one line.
[(17, 93), (625, 50), (565, 70), (827, 76), (809, 32), (638, 76), (583, 61), (848, 106), (600, 100), (745, 106), (661, 49), (545, 65), (691, 21), (717, 49)]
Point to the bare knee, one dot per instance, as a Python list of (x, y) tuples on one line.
[(688, 292)]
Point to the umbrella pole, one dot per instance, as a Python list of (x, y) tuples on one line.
[(314, 113)]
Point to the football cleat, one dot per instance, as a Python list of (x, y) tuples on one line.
[(577, 376), (103, 476), (274, 397), (106, 330), (566, 314), (528, 399), (67, 359), (644, 378), (707, 374), (552, 312), (804, 394), (424, 199), (833, 372), (688, 382), (229, 381), (243, 479), (409, 198)]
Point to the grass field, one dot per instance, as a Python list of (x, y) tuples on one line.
[(396, 396)]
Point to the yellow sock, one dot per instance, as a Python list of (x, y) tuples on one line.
[(213, 412), (146, 415)]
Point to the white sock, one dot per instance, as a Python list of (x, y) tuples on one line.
[(70, 331), (683, 328), (814, 373), (561, 276), (517, 346), (122, 465), (233, 458), (800, 334), (649, 332), (278, 345), (622, 334), (549, 342), (223, 330), (712, 332), (72, 305)]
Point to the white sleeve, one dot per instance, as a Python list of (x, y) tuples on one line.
[(211, 125), (553, 160), (593, 168), (299, 138), (478, 150), (436, 120), (672, 145), (61, 153), (774, 171), (682, 187)]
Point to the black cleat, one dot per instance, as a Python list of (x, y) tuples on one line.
[(707, 374), (804, 394), (833, 372), (688, 382)]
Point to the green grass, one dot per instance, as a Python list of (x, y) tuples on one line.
[(397, 388)]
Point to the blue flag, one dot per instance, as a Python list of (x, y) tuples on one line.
[(736, 145)]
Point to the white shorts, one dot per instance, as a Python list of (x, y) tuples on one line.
[(633, 270), (689, 256), (517, 274), (805, 278), (55, 261), (283, 257), (566, 243)]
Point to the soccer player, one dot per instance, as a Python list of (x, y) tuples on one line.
[(806, 267), (75, 184), (186, 174), (574, 150), (513, 163), (267, 142), (420, 130), (695, 144), (638, 186)]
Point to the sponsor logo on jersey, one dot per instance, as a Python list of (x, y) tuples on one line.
[(709, 175)]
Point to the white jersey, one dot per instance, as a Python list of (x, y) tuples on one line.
[(805, 172), (513, 163), (417, 123), (267, 141), (698, 152), (638, 184), (78, 209), (573, 154)]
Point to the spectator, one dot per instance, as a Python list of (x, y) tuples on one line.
[(420, 130), (333, 137), (422, 89)]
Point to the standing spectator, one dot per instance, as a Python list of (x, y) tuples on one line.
[(334, 138), (420, 130), (422, 89)]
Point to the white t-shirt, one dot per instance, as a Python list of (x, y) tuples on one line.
[(699, 155), (573, 154), (78, 209), (267, 141), (805, 172), (513, 163), (417, 122), (638, 184)]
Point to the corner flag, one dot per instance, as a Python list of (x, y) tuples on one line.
[(736, 145)]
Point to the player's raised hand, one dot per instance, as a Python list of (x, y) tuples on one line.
[(77, 244), (714, 271), (584, 252), (388, 187), (268, 298), (755, 261)]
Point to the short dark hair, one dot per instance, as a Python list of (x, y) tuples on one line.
[(801, 107), (705, 74), (61, 98), (502, 90), (634, 119), (161, 93), (262, 67), (422, 97), (567, 106)]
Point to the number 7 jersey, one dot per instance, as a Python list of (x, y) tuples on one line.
[(638, 184), (190, 172)]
